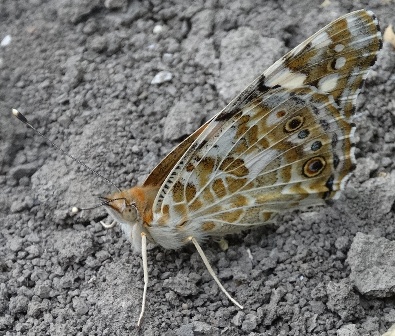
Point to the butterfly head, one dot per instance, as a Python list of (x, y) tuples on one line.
[(132, 209), (121, 207), (132, 206)]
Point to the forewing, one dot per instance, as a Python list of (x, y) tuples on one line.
[(335, 60)]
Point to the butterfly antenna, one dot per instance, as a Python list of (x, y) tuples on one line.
[(104, 201), (22, 118)]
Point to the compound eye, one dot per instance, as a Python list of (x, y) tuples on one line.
[(130, 213)]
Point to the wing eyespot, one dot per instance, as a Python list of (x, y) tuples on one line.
[(314, 166), (294, 124)]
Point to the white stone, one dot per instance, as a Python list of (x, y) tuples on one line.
[(161, 77), (157, 29), (6, 41)]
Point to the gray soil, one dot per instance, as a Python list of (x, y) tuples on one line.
[(118, 84)]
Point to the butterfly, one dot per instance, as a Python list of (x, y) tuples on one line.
[(284, 143)]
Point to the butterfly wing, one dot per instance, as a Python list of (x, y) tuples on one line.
[(163, 169), (285, 142)]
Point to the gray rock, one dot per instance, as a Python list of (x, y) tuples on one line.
[(72, 245), (6, 321), (342, 243), (348, 330), (185, 330), (390, 316), (15, 244), (66, 281), (383, 188), (27, 169), (36, 308), (25, 203), (18, 304), (80, 306), (237, 320), (98, 44), (250, 323), (181, 284), (372, 269), (365, 167), (245, 54), (202, 328), (73, 76), (182, 120), (33, 250), (33, 238), (43, 290), (271, 309), (371, 325), (205, 54), (344, 301)]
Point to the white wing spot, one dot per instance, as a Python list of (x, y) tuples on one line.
[(339, 47), (328, 83), (340, 62), (322, 40), (288, 79)]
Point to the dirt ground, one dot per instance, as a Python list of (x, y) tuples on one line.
[(117, 84)]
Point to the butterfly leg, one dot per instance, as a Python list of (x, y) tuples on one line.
[(108, 226), (211, 271), (223, 244), (145, 269)]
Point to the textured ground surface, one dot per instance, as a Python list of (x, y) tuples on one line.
[(118, 88)]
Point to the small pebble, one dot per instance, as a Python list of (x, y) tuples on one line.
[(6, 41), (161, 77), (157, 29)]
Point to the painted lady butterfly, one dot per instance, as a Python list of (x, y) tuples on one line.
[(286, 142)]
